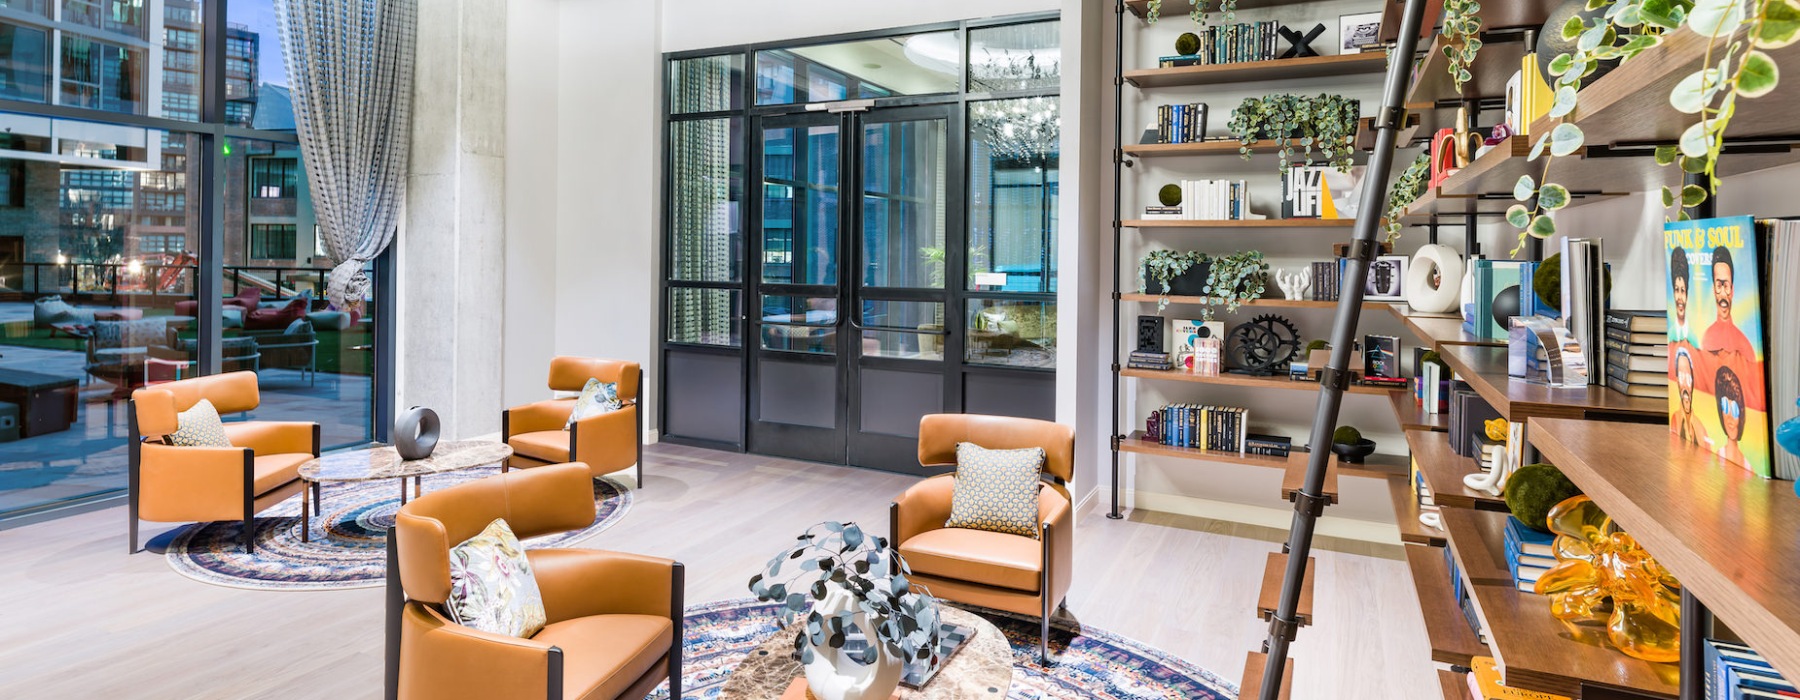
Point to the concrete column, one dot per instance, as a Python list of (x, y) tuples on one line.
[(452, 258)]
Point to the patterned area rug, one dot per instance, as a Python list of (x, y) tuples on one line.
[(349, 544), (1091, 663)]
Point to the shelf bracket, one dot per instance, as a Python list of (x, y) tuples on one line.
[(1335, 379), (1311, 505), (1283, 628)]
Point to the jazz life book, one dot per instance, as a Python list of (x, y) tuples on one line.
[(1717, 378)]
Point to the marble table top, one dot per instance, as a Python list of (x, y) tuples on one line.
[(983, 668), (385, 463)]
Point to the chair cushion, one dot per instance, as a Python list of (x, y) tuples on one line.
[(491, 586), (274, 471), (997, 490), (604, 654), (547, 445), (976, 556), (199, 426), (596, 397)]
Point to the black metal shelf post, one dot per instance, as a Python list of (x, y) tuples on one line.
[(1118, 160)]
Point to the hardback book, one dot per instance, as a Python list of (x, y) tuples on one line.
[(1781, 246), (1718, 384), (1660, 349), (1303, 192), (1634, 377), (1635, 337), (1488, 314), (1485, 683), (1638, 363), (1648, 391), (1638, 321)]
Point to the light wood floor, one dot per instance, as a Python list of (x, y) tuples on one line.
[(83, 620)]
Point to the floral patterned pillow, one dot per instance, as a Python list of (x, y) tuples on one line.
[(597, 397), (491, 585)]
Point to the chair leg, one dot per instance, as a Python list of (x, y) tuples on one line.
[(249, 535)]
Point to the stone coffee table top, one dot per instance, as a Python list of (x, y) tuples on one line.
[(385, 463), (983, 668)]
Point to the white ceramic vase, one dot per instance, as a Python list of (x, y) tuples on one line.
[(833, 675)]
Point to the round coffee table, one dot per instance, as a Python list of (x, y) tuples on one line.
[(983, 668), (385, 463)]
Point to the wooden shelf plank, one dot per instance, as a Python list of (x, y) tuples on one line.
[(1178, 9), (1228, 379), (1214, 147), (1487, 183), (1253, 675), (1484, 368), (1138, 444), (1452, 642), (1295, 477), (1238, 223), (1293, 465), (1495, 15), (1478, 538), (1437, 329), (1406, 514), (1630, 105), (1412, 416), (1274, 573), (1455, 686), (1729, 536), (1444, 470), (1271, 302), (1279, 69), (1493, 67)]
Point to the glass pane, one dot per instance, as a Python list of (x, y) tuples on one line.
[(97, 269), (24, 63), (907, 346), (799, 324), (1017, 57), (707, 168), (800, 205), (101, 75), (120, 17), (705, 316), (903, 204), (256, 81), (919, 64), (1017, 333), (925, 316), (1012, 194), (707, 84), (813, 311)]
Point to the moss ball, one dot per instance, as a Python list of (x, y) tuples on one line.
[(1533, 490), (1547, 281), (1317, 345), (1346, 435), (1187, 44), (1169, 195)]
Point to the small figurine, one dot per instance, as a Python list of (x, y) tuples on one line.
[(1294, 285)]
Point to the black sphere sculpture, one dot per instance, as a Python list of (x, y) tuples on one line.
[(416, 433)]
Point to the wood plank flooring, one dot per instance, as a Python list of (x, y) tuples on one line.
[(83, 620)]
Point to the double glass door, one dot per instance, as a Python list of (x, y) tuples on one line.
[(856, 232)]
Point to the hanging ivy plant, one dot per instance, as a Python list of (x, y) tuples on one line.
[(1406, 190), (1738, 32), (1235, 279), (1462, 38), (1325, 122), (1162, 267), (1198, 14)]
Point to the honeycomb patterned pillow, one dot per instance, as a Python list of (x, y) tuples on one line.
[(199, 426), (996, 490)]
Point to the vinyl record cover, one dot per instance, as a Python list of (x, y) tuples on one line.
[(1717, 381)]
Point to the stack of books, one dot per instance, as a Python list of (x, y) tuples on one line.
[(1325, 280), (1528, 554), (1231, 43), (1422, 492), (1736, 671), (1141, 359), (1215, 428), (1181, 123), (1461, 594), (1431, 388), (1268, 445), (1485, 683), (1637, 353), (1207, 200)]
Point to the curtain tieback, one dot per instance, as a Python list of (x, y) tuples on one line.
[(350, 284)]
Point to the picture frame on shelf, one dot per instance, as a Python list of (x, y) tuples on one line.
[(1359, 32), (1387, 279)]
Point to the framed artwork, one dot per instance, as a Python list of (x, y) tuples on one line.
[(1359, 32), (1387, 279)]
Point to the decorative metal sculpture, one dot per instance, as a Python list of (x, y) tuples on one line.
[(1262, 345), (416, 433), (1602, 576)]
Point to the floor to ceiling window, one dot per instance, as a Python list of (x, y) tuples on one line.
[(127, 184)]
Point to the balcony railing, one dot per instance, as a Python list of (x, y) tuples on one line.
[(116, 282)]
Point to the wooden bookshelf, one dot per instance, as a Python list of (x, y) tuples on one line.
[(1730, 536), (1406, 514), (1228, 379), (1238, 223), (1412, 416), (1494, 15), (1484, 368), (1630, 105), (1136, 443), (1178, 9), (1455, 686), (1253, 675), (1266, 302), (1431, 78), (1269, 596), (1478, 538), (1434, 330), (1211, 147), (1295, 477), (1452, 641), (1590, 173), (1444, 470), (1278, 69)]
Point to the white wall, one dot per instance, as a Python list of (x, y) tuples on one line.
[(532, 74)]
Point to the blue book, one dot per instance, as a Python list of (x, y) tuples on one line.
[(1527, 540)]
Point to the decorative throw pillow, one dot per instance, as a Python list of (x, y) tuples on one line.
[(596, 397), (491, 585), (996, 490), (199, 426)]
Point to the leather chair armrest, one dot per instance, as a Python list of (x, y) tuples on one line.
[(192, 483), (441, 659), (607, 442), (273, 437), (923, 508), (1058, 530), (579, 583), (537, 417)]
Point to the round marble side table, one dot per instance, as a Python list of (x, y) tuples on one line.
[(384, 462), (983, 668)]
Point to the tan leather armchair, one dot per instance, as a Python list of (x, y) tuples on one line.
[(614, 620), (199, 484), (607, 442), (990, 569)]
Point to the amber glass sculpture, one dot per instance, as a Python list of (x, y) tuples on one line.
[(1603, 577)]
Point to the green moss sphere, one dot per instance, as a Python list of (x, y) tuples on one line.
[(1169, 195), (1187, 44), (1346, 435), (1547, 281), (1533, 490), (1317, 345)]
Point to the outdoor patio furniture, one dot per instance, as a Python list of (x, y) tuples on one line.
[(46, 402), (293, 348), (246, 299), (116, 350)]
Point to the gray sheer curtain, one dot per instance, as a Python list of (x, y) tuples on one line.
[(350, 64)]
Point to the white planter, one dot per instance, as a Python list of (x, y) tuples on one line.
[(833, 675)]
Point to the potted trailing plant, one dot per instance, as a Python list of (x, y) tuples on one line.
[(834, 580), (1230, 280), (1178, 273), (1235, 279), (1405, 191), (1198, 14), (1325, 122), (1462, 38)]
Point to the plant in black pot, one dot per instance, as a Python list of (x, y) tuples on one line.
[(1350, 446), (1175, 273)]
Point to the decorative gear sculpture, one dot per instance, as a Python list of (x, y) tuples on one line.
[(1264, 345)]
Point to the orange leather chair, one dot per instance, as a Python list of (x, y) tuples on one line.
[(607, 442), (990, 569), (182, 484), (614, 620)]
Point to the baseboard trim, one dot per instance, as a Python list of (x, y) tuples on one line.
[(1278, 518)]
